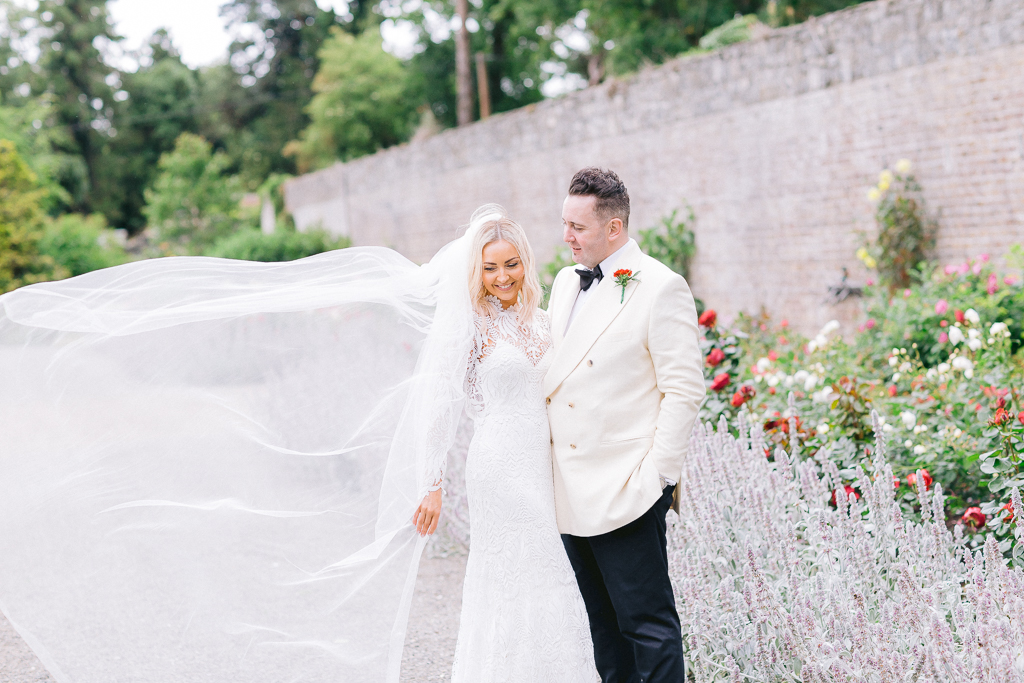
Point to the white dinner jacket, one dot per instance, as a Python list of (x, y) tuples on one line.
[(623, 391)]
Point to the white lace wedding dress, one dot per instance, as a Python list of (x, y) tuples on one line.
[(523, 619)]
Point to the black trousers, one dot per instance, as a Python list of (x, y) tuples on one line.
[(623, 576)]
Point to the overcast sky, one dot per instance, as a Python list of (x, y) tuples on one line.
[(195, 25)]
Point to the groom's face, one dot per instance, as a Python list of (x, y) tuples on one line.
[(584, 231)]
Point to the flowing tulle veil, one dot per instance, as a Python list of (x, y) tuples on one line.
[(208, 467)]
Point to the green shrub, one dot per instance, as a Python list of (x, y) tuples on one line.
[(283, 245), (21, 224), (81, 244), (672, 242)]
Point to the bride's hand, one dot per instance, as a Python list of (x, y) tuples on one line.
[(428, 513)]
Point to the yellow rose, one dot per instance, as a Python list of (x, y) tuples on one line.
[(874, 195), (870, 263), (862, 253), (883, 185), (885, 178), (903, 166)]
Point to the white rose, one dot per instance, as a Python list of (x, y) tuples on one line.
[(998, 329), (810, 382), (800, 375), (905, 367), (830, 327), (887, 429), (821, 340), (908, 443), (943, 368), (961, 363), (893, 361), (823, 428), (975, 344), (973, 334), (955, 336), (918, 449), (909, 419), (972, 316), (763, 364), (773, 380)]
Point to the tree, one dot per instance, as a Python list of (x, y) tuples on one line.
[(193, 201), (72, 76), (21, 221), (363, 102), (156, 105), (274, 71)]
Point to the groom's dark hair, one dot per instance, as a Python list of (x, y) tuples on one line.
[(612, 200)]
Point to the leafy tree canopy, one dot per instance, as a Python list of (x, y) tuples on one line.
[(364, 101)]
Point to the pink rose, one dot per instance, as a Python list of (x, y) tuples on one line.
[(941, 306), (1009, 280), (906, 293), (943, 338), (983, 258), (870, 323), (964, 268), (870, 282), (976, 268), (949, 269), (993, 283)]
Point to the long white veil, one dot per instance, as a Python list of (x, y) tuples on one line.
[(208, 468)]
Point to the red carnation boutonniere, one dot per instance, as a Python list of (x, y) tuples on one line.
[(623, 277)]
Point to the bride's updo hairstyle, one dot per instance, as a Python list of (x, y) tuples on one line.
[(490, 223)]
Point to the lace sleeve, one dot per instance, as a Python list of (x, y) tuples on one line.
[(476, 354)]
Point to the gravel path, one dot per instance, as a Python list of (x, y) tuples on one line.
[(429, 644)]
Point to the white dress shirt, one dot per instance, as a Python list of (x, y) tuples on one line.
[(607, 268)]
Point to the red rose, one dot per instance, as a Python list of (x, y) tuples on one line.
[(715, 357), (927, 478), (959, 315), (1020, 417), (772, 356), (973, 519), (895, 482), (707, 318), (1009, 512), (850, 491), (737, 400), (622, 271), (943, 323), (1000, 418), (720, 382), (892, 390)]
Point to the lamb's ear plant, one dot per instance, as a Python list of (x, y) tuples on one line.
[(783, 572)]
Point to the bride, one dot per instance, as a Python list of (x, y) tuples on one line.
[(210, 466), (523, 618)]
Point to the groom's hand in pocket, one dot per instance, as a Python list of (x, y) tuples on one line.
[(428, 513)]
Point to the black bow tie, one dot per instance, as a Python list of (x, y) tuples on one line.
[(587, 277)]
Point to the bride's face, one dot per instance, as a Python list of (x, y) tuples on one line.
[(503, 272)]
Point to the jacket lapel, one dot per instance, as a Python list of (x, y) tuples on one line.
[(597, 313)]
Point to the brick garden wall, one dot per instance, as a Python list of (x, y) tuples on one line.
[(773, 142)]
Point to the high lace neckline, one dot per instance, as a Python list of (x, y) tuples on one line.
[(498, 309)]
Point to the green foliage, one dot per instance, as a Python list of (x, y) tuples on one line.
[(159, 103), (81, 244), (283, 245), (258, 104), (672, 242), (550, 269), (193, 202), (905, 234), (21, 218), (735, 30), (363, 102), (71, 75)]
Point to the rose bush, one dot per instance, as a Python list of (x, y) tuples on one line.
[(942, 363)]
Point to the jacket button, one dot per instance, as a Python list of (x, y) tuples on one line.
[(571, 405), (548, 401), (572, 445), (590, 363)]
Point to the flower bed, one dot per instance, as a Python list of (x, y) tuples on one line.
[(940, 361), (778, 578)]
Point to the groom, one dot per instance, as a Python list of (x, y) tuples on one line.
[(622, 391)]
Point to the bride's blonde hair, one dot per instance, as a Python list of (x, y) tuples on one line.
[(492, 224)]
